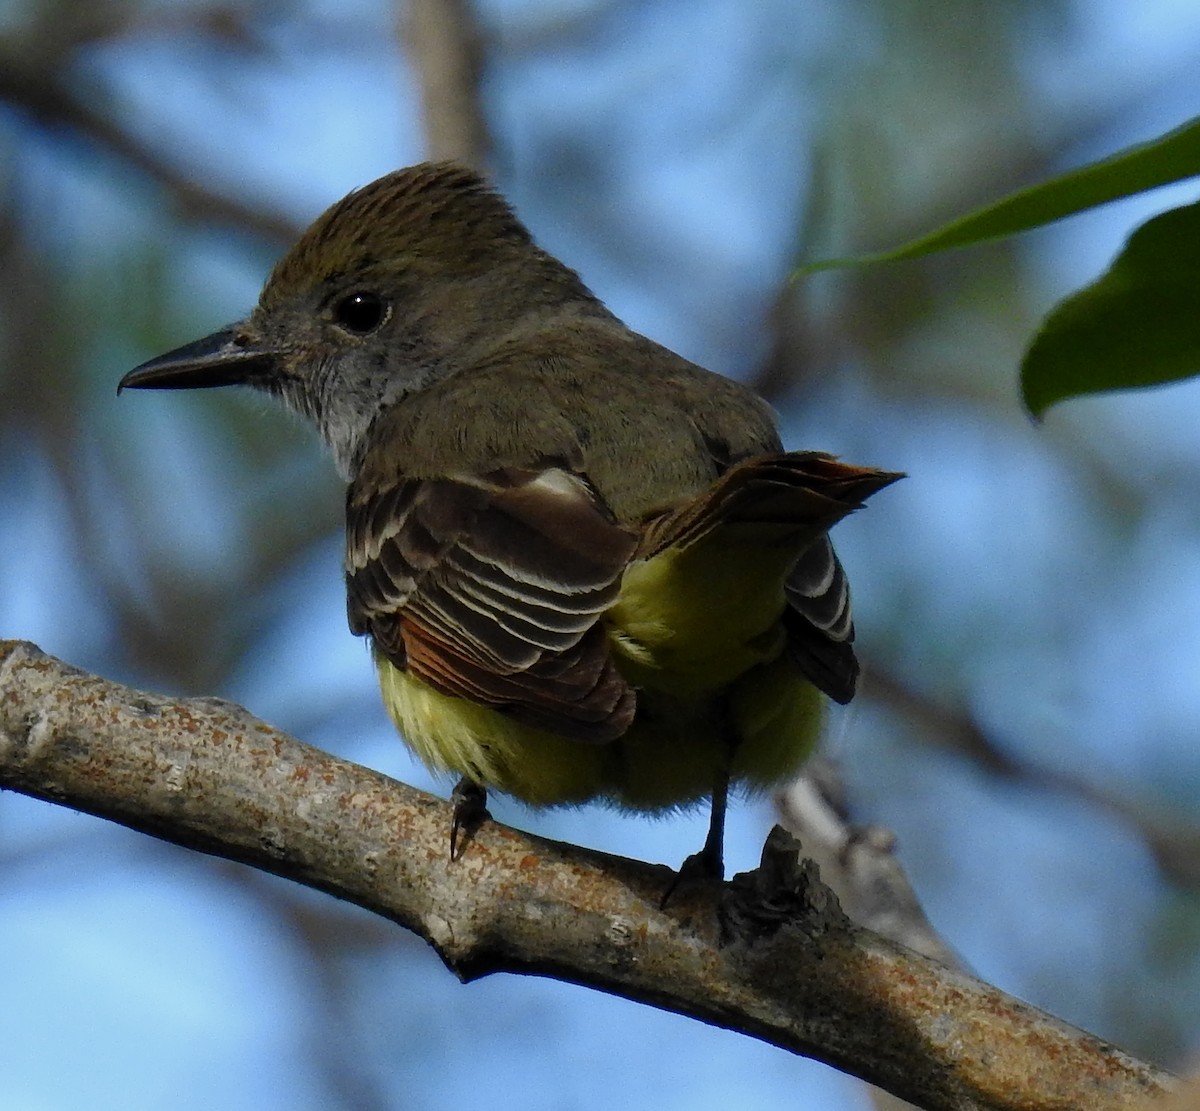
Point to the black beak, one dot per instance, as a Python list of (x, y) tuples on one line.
[(221, 359)]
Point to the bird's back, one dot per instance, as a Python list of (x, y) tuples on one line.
[(648, 428)]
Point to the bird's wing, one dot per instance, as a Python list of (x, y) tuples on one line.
[(490, 587), (819, 622), (796, 495)]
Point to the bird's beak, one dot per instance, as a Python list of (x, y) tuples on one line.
[(222, 359)]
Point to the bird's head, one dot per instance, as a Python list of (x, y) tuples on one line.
[(417, 276)]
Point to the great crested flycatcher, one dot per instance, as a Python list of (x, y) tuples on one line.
[(587, 567)]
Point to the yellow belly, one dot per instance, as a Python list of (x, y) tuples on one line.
[(691, 629), (454, 735), (668, 758)]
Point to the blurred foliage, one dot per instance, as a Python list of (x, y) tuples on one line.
[(1137, 326), (1028, 601)]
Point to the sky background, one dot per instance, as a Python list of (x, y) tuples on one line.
[(1039, 585)]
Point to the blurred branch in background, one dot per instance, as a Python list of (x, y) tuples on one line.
[(858, 862), (1174, 841), (446, 48), (44, 97)]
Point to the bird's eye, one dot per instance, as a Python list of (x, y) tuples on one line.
[(360, 312)]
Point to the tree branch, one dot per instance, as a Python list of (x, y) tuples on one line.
[(770, 954)]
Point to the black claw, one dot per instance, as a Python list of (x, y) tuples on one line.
[(470, 810), (705, 866)]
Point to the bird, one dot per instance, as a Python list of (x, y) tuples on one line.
[(587, 568)]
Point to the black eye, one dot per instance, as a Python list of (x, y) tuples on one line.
[(361, 312)]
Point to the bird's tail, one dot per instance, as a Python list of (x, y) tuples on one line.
[(704, 599), (788, 498)]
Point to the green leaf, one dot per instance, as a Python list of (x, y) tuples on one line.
[(1137, 326), (1169, 158)]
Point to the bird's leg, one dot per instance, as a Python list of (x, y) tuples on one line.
[(470, 809), (709, 862)]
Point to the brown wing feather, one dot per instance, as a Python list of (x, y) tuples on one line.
[(491, 587)]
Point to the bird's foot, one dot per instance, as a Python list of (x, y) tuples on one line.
[(470, 811), (705, 866)]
